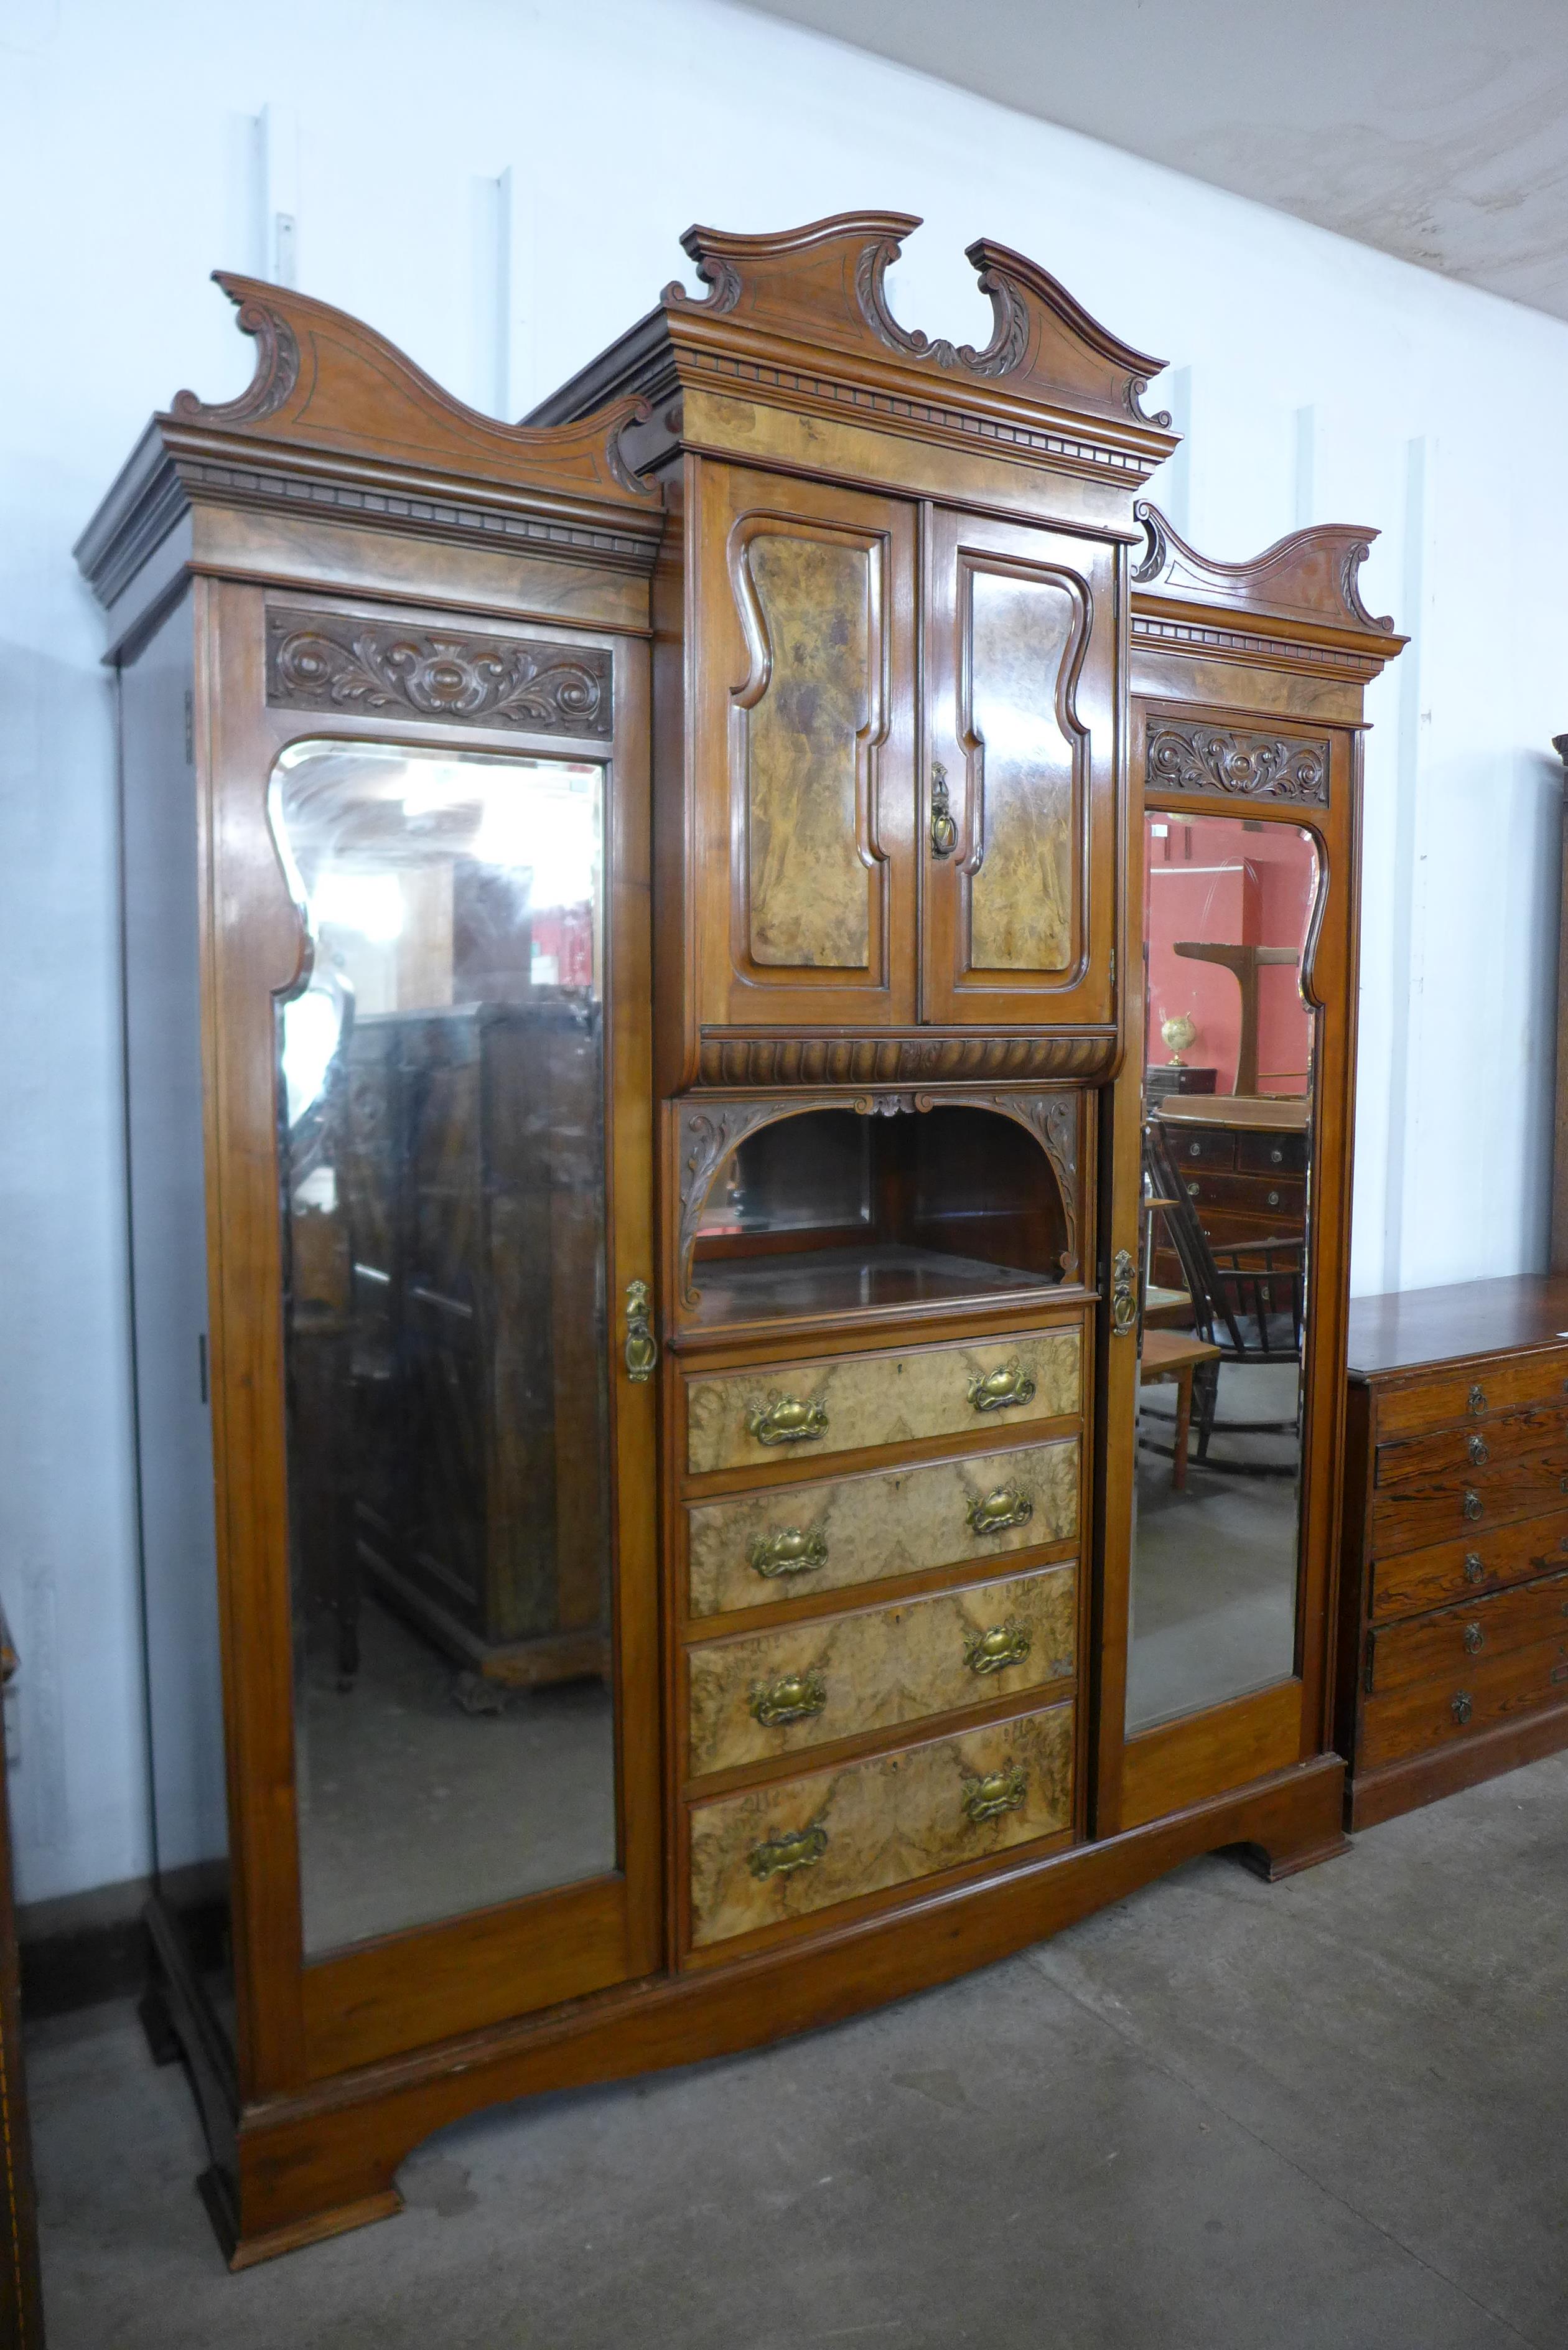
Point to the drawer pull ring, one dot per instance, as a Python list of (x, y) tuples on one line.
[(641, 1346), (794, 1697), (1195, 1150), (993, 1651), (792, 1550), (785, 1419), (1473, 1506), (780, 1855), (1460, 1708), (1124, 1293), (1193, 1189), (1277, 1157), (1475, 1572), (1000, 1390), (1475, 1639), (1273, 1199), (1478, 1400), (996, 1513), (998, 1792), (1478, 1451)]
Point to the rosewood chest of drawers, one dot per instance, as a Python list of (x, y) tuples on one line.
[(1454, 1591)]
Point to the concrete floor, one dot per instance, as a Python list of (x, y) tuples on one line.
[(1322, 2115)]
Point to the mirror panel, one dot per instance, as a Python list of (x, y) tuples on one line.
[(1230, 907), (441, 1087)]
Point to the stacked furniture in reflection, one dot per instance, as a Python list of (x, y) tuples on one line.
[(469, 1167)]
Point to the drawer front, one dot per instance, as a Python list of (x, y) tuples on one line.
[(790, 1850), (1284, 1197), (1434, 1713), (763, 1547), (784, 1411), (1270, 1154), (1430, 1509), (1412, 1581), (1190, 1147), (1502, 1435), (1468, 1391), (769, 1693), (1444, 1645)]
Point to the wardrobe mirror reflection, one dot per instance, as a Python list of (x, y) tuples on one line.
[(440, 1083), (1230, 907)]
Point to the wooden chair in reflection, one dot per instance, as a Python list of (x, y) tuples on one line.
[(1246, 1303)]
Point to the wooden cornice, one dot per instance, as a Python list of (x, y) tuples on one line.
[(338, 423), (1299, 601)]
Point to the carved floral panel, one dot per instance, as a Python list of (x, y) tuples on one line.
[(325, 660), (1187, 756)]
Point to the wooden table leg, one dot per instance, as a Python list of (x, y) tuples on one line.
[(1183, 1427)]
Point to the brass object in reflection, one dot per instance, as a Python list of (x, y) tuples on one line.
[(1124, 1294), (785, 1419), (1473, 1506), (998, 1792), (993, 1651), (794, 1697), (792, 1550), (998, 1510), (1477, 1449), (1460, 1708), (1475, 1639), (1478, 1400), (1475, 1572), (944, 831), (1002, 1388), (641, 1346), (780, 1855)]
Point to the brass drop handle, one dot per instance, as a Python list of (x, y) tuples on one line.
[(996, 1512), (1277, 1157), (1124, 1293), (1195, 1150), (794, 1550), (1474, 1571), (1477, 1449), (993, 1650), (944, 831), (998, 1792), (1273, 1199), (1478, 1400), (786, 1419), (1000, 1390), (1193, 1189), (1473, 1506), (1475, 1639), (780, 1855), (641, 1346), (794, 1697), (1460, 1708)]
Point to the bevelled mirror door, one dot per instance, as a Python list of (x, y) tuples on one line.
[(1230, 905), (442, 1161)]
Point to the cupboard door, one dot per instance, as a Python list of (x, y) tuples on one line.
[(803, 802), (1019, 798)]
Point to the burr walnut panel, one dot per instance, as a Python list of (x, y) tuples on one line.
[(814, 605), (1021, 634), (735, 1418), (769, 1693), (786, 1851), (763, 1547)]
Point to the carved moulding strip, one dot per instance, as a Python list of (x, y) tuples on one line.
[(889, 1060), (706, 1135), (319, 660), (1188, 757), (1267, 652)]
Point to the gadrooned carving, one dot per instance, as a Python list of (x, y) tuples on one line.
[(318, 661), (893, 1060), (277, 372), (1189, 757)]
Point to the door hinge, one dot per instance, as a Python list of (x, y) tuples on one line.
[(1113, 967)]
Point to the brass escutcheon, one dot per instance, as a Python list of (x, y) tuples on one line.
[(1000, 1390), (780, 1855), (996, 1512), (641, 1346), (1124, 1293), (993, 1650), (944, 831), (793, 1550), (998, 1792), (794, 1697), (1477, 1451), (1460, 1708), (785, 1419)]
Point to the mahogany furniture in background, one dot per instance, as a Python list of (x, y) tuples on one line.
[(1454, 1593), (764, 701), (21, 2286)]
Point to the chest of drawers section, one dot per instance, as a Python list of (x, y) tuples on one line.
[(877, 1620), (1454, 1636)]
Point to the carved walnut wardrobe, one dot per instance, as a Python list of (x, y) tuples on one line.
[(651, 1296)]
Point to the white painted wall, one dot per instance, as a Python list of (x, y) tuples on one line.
[(500, 187)]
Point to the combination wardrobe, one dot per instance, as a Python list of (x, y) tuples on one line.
[(665, 1243)]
